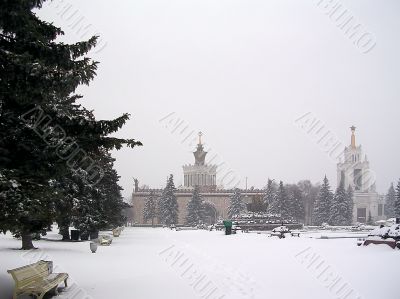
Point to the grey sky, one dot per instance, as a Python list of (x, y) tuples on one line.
[(242, 72)]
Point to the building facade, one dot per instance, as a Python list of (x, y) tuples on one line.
[(199, 175), (354, 171)]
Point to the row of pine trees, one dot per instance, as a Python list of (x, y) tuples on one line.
[(287, 201), (333, 208)]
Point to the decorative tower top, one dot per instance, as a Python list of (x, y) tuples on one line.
[(353, 137), (200, 154)]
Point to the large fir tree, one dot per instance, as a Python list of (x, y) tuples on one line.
[(236, 205), (339, 211), (390, 202), (104, 204), (43, 130), (150, 208), (167, 204), (322, 206), (195, 209)]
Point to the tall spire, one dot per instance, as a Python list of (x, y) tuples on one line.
[(200, 154), (353, 137)]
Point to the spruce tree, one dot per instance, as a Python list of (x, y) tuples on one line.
[(350, 203), (296, 202), (339, 212), (150, 208), (284, 203), (237, 205), (310, 193), (195, 209), (45, 135), (100, 206), (390, 202), (397, 202), (112, 204), (322, 205), (168, 204), (270, 198)]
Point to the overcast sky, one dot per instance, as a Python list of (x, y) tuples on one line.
[(241, 72)]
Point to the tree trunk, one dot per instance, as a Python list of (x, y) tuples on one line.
[(27, 241), (152, 222), (64, 231)]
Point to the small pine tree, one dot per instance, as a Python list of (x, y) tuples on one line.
[(150, 208), (322, 205), (296, 202), (310, 193), (270, 198), (340, 207), (168, 204), (350, 203), (397, 202), (283, 203), (237, 205), (195, 208), (390, 202)]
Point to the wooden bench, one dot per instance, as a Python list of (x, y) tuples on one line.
[(295, 234), (391, 243), (36, 279)]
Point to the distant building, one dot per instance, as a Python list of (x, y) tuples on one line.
[(200, 174), (355, 171), (203, 176)]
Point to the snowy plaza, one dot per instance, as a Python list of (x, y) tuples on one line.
[(199, 149), (157, 262)]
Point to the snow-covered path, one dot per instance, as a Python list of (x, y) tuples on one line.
[(147, 263)]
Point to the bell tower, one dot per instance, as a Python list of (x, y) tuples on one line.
[(354, 170)]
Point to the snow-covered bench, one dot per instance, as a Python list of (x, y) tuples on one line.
[(280, 231), (105, 240), (36, 279), (389, 235), (117, 231), (377, 240)]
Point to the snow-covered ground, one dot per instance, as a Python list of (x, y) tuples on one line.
[(147, 263)]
